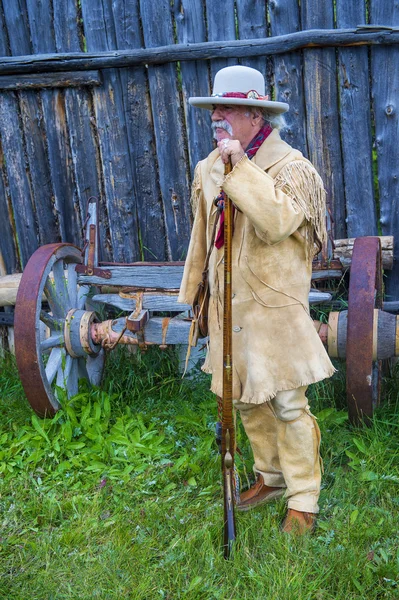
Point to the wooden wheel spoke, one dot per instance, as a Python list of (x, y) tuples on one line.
[(72, 284), (82, 296), (52, 342), (64, 371), (53, 364), (61, 285), (54, 301), (73, 379), (52, 323), (42, 358), (82, 369)]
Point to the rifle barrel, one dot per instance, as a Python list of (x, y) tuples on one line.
[(228, 433)]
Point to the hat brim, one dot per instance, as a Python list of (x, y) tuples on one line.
[(207, 102)]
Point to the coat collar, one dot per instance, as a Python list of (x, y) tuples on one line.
[(271, 152)]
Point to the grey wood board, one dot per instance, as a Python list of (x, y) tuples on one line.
[(321, 99), (355, 120), (252, 24), (16, 19), (288, 74), (8, 250), (154, 303), (79, 116), (235, 49), (169, 132), (177, 332), (385, 92), (162, 277), (168, 303), (191, 28), (50, 80), (57, 138), (220, 19), (140, 132), (111, 124), (167, 277), (18, 183)]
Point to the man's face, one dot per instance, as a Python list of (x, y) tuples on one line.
[(239, 123)]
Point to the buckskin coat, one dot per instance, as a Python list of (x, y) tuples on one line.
[(281, 210)]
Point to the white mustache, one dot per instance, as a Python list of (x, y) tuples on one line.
[(222, 125)]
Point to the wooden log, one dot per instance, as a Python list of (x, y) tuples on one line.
[(355, 120), (140, 133), (385, 329), (385, 91), (311, 38), (288, 67), (50, 80), (6, 319), (151, 277), (344, 248), (156, 331)]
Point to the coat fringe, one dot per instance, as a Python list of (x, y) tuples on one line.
[(195, 189), (262, 397), (300, 181)]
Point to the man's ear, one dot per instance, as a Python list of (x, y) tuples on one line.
[(256, 117)]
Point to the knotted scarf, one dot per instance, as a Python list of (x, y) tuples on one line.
[(251, 150)]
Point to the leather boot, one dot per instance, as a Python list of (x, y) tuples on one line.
[(298, 522), (258, 494)]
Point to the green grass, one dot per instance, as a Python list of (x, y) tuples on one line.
[(119, 497)]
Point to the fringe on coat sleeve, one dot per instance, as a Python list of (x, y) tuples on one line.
[(301, 182), (195, 189)]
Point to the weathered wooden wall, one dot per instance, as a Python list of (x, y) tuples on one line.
[(128, 135)]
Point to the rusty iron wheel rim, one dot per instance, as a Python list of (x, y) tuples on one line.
[(45, 274), (363, 375)]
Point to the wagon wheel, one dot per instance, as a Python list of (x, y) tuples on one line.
[(67, 354), (363, 372)]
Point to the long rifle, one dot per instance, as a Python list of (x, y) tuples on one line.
[(228, 433)]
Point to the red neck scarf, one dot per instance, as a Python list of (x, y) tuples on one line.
[(251, 150)]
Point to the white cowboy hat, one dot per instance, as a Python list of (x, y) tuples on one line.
[(242, 86)]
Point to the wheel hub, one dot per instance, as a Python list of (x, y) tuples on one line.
[(77, 329)]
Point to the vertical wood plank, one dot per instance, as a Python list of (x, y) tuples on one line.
[(8, 251), (191, 29), (9, 259), (13, 164), (140, 134), (169, 131), (288, 72), (355, 118), (54, 115), (385, 92), (221, 25), (82, 133), (15, 14), (320, 79), (99, 30), (251, 21)]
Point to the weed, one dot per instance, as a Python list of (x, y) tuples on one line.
[(119, 496)]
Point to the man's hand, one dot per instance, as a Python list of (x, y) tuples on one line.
[(230, 149)]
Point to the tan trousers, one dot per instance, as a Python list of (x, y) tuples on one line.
[(285, 440)]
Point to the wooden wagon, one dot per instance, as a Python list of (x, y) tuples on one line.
[(92, 109)]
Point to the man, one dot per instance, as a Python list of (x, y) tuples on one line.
[(279, 219)]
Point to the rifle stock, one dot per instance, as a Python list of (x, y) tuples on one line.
[(228, 433)]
